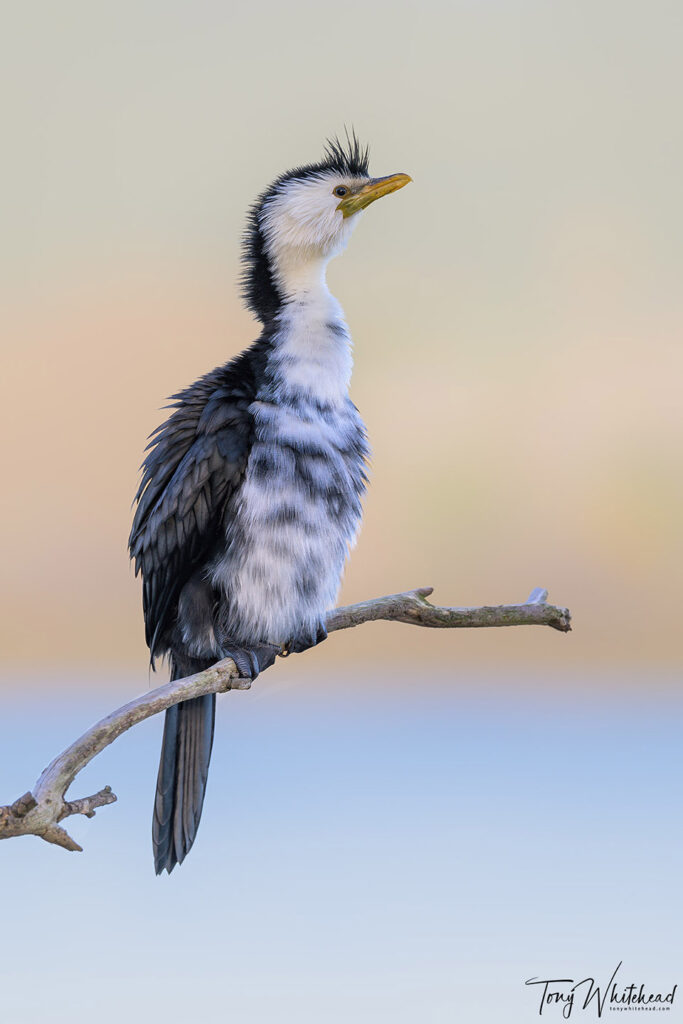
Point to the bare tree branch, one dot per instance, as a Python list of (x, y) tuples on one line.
[(414, 608), (38, 812)]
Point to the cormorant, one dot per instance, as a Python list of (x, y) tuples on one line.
[(251, 490)]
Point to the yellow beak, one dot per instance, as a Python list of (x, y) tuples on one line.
[(360, 197)]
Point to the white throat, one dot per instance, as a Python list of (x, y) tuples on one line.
[(300, 273)]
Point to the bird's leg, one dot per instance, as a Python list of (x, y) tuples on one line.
[(305, 639)]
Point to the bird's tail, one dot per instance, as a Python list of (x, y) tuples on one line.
[(183, 772)]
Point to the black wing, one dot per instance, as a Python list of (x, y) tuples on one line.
[(196, 460)]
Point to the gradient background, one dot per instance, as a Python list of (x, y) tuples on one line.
[(404, 825)]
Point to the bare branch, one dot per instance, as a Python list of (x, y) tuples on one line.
[(414, 608), (39, 811)]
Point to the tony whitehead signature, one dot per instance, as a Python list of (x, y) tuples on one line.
[(565, 993)]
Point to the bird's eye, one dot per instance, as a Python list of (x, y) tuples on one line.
[(340, 191)]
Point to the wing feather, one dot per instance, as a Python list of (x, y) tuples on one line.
[(194, 462)]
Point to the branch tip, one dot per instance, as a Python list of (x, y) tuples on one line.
[(58, 836), (86, 805)]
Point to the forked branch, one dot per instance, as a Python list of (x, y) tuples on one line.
[(39, 811)]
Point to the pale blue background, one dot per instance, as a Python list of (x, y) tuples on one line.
[(368, 853)]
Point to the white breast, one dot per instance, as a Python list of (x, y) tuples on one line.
[(298, 509)]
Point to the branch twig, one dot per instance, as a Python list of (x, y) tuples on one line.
[(38, 812)]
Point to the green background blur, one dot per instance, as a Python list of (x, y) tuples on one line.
[(516, 312)]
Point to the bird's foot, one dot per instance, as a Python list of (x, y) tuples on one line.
[(250, 661), (304, 640)]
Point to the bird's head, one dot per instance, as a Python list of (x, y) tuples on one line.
[(304, 219)]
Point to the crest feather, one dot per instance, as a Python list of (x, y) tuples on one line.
[(349, 156)]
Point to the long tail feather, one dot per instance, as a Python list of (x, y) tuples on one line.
[(181, 784), (185, 756)]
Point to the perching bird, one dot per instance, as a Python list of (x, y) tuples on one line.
[(251, 490)]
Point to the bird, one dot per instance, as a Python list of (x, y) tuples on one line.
[(250, 492)]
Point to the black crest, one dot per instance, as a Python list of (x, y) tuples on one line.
[(345, 157), (348, 157)]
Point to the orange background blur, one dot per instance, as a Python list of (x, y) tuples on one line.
[(516, 312)]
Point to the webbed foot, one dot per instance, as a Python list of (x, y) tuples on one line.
[(250, 661)]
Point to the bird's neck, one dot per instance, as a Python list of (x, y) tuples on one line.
[(300, 273), (311, 350)]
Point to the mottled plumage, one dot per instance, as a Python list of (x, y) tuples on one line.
[(250, 492)]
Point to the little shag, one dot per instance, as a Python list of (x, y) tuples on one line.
[(250, 496)]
